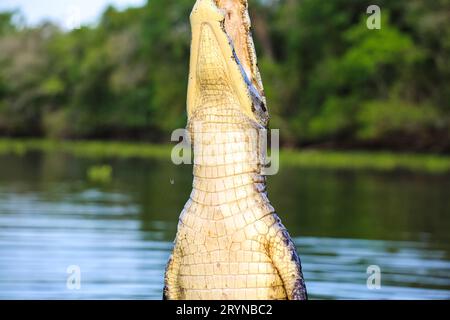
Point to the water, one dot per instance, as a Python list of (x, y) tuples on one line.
[(119, 234)]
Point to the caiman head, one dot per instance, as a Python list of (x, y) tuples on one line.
[(223, 58)]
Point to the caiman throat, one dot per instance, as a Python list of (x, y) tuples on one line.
[(230, 243)]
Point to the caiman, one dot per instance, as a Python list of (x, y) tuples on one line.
[(230, 243)]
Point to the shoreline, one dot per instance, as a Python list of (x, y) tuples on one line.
[(386, 161)]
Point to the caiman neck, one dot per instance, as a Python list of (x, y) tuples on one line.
[(227, 160)]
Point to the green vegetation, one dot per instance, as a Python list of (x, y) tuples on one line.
[(380, 161), (329, 80), (100, 173), (91, 149)]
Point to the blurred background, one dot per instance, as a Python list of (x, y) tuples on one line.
[(90, 92)]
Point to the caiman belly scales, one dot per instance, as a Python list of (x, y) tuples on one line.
[(230, 243)]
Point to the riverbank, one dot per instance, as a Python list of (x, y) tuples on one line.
[(351, 160)]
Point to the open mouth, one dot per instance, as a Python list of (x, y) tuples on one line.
[(237, 27)]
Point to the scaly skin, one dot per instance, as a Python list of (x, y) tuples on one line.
[(230, 243)]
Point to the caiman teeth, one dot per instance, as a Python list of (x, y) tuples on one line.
[(237, 27)]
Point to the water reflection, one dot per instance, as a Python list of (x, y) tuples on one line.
[(120, 234)]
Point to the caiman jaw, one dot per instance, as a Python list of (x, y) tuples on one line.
[(221, 37), (237, 26)]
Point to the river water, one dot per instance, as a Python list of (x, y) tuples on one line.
[(118, 235)]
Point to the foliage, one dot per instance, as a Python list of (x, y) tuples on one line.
[(100, 173), (328, 78)]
